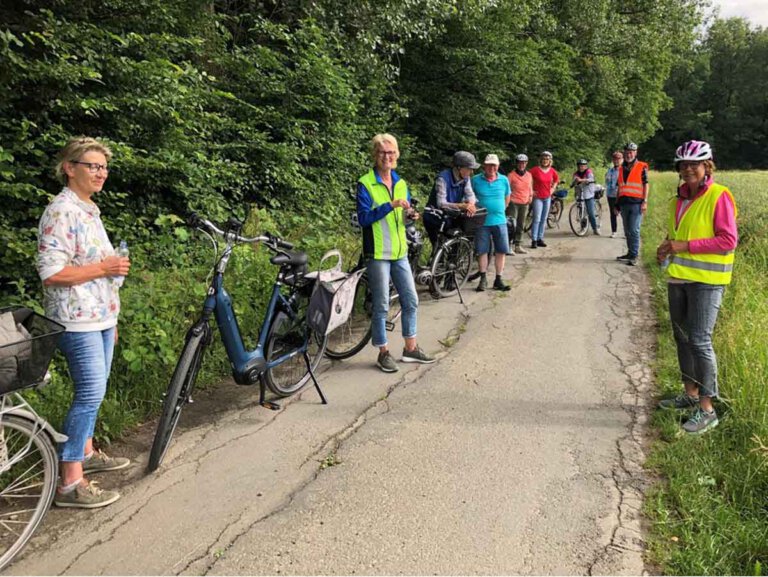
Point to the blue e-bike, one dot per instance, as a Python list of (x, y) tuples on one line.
[(288, 350)]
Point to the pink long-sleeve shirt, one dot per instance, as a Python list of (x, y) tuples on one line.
[(726, 234)]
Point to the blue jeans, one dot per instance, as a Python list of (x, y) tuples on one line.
[(590, 204), (693, 309), (632, 218), (540, 212), (89, 357), (379, 273)]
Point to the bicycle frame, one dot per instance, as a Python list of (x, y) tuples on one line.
[(247, 365)]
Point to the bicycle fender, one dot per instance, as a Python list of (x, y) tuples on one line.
[(46, 426)]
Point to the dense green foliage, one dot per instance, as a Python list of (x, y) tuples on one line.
[(720, 94), (711, 516), (215, 105)]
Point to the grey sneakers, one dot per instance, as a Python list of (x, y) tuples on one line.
[(483, 284), (386, 363), (102, 462), (680, 402), (700, 422), (520, 250), (417, 356), (86, 497)]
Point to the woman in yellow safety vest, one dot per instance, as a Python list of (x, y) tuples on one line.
[(383, 200), (698, 254)]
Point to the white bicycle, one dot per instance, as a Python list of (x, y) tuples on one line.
[(28, 459)]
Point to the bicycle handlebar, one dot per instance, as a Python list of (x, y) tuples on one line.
[(272, 241)]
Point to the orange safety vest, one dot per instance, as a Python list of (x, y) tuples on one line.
[(634, 185)]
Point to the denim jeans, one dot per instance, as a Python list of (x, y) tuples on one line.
[(693, 309), (632, 218), (540, 212), (590, 204), (89, 358), (379, 273)]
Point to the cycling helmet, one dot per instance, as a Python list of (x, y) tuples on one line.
[(521, 158), (464, 159), (693, 150), (630, 146), (546, 154), (583, 161)]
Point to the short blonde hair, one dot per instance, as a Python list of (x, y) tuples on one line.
[(377, 142), (709, 167), (75, 149)]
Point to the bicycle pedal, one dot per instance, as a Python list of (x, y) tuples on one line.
[(390, 326), (270, 405), (190, 400)]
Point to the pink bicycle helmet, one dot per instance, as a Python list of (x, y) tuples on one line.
[(693, 150)]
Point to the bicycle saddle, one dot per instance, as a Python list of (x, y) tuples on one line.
[(289, 257)]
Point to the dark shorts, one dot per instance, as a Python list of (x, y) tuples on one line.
[(500, 239)]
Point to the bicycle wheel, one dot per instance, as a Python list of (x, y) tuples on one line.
[(577, 217), (28, 468), (179, 390), (286, 335), (555, 212), (450, 267), (350, 338)]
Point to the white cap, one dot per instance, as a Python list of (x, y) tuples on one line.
[(491, 159)]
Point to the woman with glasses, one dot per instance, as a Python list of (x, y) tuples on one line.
[(81, 276), (698, 254), (383, 199)]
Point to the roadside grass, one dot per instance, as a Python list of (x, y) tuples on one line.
[(709, 515)]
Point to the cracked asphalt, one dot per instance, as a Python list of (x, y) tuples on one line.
[(519, 452)]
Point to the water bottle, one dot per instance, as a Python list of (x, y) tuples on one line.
[(122, 251)]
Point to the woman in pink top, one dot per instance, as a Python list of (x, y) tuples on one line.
[(545, 179), (521, 183), (698, 253)]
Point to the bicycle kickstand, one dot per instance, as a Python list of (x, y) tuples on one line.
[(458, 288), (272, 406), (314, 380)]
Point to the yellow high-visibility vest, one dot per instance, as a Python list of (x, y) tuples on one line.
[(698, 223), (389, 232)]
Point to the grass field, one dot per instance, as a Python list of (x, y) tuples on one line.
[(709, 513)]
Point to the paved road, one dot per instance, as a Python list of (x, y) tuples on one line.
[(520, 451)]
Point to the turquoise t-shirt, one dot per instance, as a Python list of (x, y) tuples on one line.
[(492, 196)]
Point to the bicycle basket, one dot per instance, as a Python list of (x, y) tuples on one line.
[(333, 296), (27, 343), (561, 192), (599, 191), (470, 224)]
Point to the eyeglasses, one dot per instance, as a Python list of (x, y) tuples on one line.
[(686, 164), (386, 153), (93, 167)]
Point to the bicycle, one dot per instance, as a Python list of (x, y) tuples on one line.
[(578, 217), (287, 352), (452, 256), (28, 460)]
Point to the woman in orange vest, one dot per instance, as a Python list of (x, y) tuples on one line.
[(698, 254)]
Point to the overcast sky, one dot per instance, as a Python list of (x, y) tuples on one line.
[(754, 10)]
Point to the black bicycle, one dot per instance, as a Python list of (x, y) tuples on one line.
[(287, 352)]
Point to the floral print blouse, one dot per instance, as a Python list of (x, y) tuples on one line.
[(71, 234)]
